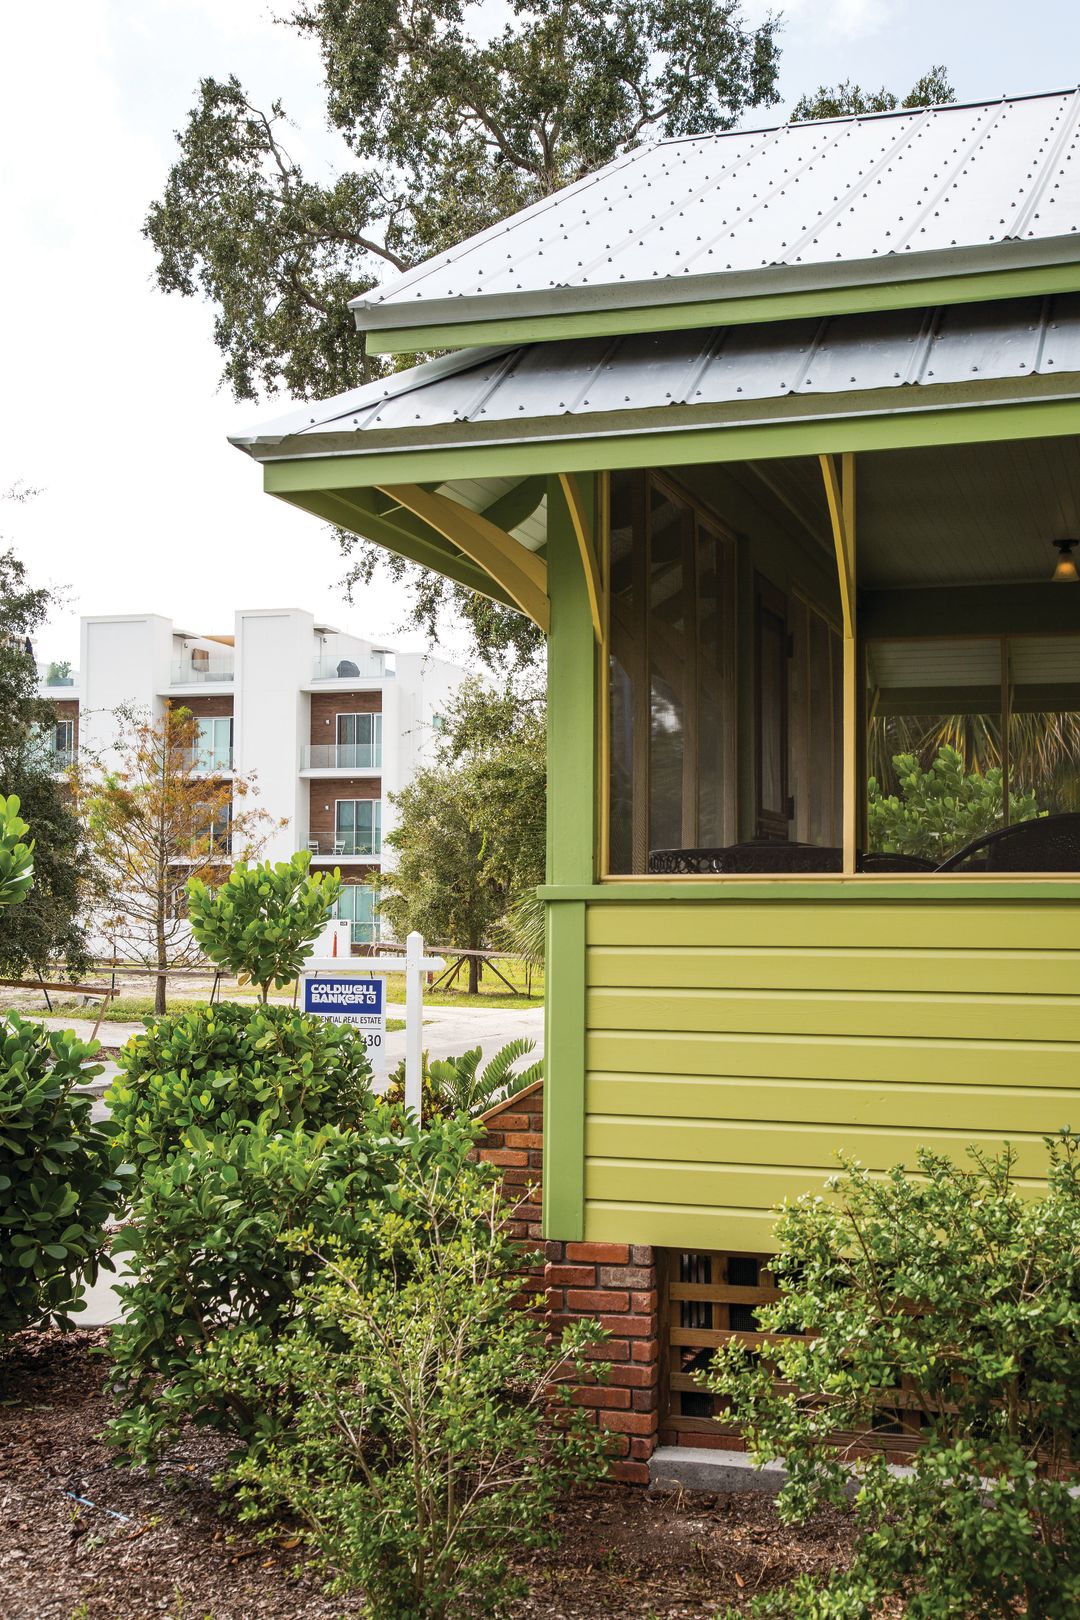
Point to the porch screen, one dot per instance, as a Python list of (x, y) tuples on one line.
[(672, 673)]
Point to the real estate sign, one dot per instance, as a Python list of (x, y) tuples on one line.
[(348, 999)]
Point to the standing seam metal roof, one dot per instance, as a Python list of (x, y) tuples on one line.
[(814, 196), (587, 381)]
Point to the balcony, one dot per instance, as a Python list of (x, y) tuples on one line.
[(206, 761), (361, 667), (363, 756), (202, 673), (57, 675), (60, 759), (360, 846)]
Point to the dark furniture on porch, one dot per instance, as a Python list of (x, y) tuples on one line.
[(1045, 844)]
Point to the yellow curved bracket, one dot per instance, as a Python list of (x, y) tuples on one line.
[(840, 495), (522, 575), (583, 530)]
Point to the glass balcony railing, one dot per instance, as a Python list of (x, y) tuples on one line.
[(341, 756), (360, 666), (187, 673), (60, 759), (351, 844), (57, 675), (207, 760)]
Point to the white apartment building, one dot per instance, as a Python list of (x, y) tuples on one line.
[(330, 724)]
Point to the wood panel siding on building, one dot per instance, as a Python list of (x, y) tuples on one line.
[(216, 706), (326, 706), (732, 1049), (324, 795)]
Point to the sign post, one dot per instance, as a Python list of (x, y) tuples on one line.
[(344, 990)]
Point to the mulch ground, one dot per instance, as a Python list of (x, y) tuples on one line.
[(152, 1546)]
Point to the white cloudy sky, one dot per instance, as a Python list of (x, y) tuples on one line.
[(110, 400)]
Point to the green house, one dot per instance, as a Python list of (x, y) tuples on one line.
[(776, 436)]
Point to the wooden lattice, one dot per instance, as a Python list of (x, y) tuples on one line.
[(710, 1298)]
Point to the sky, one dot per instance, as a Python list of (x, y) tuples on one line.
[(111, 404)]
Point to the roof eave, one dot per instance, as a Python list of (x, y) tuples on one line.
[(951, 275)]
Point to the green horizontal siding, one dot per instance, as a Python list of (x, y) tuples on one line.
[(733, 1049)]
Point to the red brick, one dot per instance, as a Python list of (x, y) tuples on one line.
[(606, 1254), (627, 1277), (644, 1254), (645, 1400), (553, 1251), (616, 1445), (510, 1122), (630, 1473), (505, 1157), (644, 1304), (602, 1395), (596, 1299), (642, 1446), (629, 1422), (647, 1350), (631, 1327), (638, 1377), (571, 1276), (524, 1139), (613, 1350)]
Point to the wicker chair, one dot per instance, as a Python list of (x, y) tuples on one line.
[(894, 863), (1046, 844)]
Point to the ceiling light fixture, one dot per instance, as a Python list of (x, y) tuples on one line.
[(1065, 569)]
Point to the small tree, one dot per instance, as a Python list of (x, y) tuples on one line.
[(470, 834), (155, 821), (953, 1297), (262, 920), (939, 810)]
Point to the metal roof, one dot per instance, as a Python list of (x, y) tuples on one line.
[(893, 360), (833, 202)]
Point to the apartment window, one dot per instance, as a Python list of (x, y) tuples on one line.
[(358, 905), (359, 741), (358, 827), (213, 750), (64, 738)]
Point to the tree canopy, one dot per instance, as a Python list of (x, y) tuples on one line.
[(48, 926), (470, 836), (846, 100), (446, 130)]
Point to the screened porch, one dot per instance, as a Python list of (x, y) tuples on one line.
[(857, 665)]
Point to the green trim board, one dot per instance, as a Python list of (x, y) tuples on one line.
[(949, 889), (887, 430), (868, 297), (571, 855)]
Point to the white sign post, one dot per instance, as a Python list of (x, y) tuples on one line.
[(350, 1002)]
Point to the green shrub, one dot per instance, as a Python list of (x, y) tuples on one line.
[(939, 810), (261, 922), (955, 1287), (223, 1067), (57, 1182), (209, 1260), (429, 1442), (458, 1085), (16, 856)]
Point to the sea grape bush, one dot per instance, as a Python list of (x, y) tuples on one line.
[(953, 1285), (220, 1068), (939, 810), (58, 1180), (262, 921), (212, 1260), (431, 1428)]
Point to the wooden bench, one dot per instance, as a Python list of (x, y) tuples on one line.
[(105, 993)]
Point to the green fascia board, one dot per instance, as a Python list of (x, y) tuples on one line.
[(929, 890), (978, 287), (408, 541), (891, 430)]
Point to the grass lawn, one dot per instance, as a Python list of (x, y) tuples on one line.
[(131, 1009)]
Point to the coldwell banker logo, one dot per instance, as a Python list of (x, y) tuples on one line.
[(349, 1001)]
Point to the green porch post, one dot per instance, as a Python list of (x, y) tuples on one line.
[(571, 823)]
